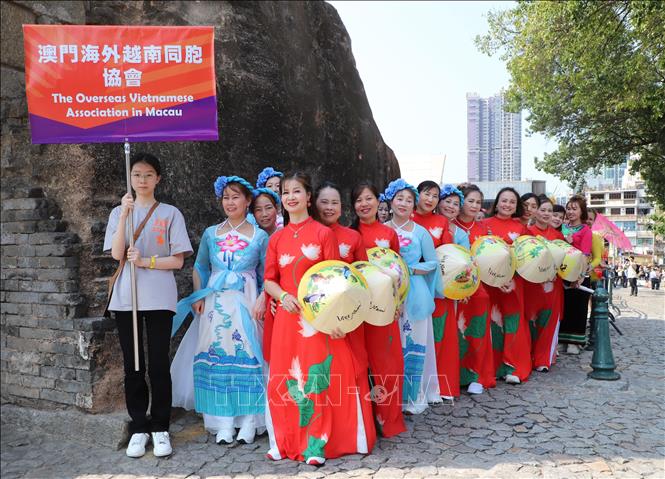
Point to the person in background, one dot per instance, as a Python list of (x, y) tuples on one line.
[(558, 216), (160, 248), (450, 204), (474, 323), (530, 202), (544, 306), (421, 384), (384, 352), (632, 273), (597, 250), (271, 179), (573, 328), (444, 322), (513, 360), (654, 277), (384, 209)]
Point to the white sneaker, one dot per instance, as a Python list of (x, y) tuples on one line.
[(475, 388), (512, 379), (224, 436), (161, 444), (247, 433), (542, 369), (137, 443), (573, 349)]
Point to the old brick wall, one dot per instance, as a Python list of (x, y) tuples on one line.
[(50, 349)]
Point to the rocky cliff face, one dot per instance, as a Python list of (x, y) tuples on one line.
[(288, 94)]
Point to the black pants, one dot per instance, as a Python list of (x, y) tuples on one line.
[(572, 329), (655, 284), (633, 286), (158, 326)]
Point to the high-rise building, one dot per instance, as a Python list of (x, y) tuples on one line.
[(609, 177), (494, 140)]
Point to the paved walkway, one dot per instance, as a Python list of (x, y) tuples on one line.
[(558, 425)]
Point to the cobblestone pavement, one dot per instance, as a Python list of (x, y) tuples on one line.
[(558, 424)]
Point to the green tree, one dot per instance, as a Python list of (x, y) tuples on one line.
[(657, 224), (590, 74)]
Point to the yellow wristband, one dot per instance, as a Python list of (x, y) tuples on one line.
[(153, 259)]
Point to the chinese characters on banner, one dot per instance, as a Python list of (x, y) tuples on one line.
[(88, 84)]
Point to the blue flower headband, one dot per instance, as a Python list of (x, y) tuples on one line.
[(398, 185), (267, 173), (447, 190), (222, 181), (382, 198), (267, 191)]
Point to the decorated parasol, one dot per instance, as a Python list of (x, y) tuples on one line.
[(574, 262), (333, 294), (383, 294), (558, 251), (533, 259), (495, 260), (460, 273), (393, 264)]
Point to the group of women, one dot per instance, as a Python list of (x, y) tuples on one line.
[(249, 362)]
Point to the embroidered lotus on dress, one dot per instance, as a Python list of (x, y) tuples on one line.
[(286, 259), (382, 243), (307, 329), (548, 286), (513, 236), (232, 243), (311, 251), (403, 241), (344, 250), (460, 322), (436, 232)]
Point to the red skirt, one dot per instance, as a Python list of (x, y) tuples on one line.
[(386, 365), (543, 311), (475, 340), (446, 346), (315, 394), (511, 339)]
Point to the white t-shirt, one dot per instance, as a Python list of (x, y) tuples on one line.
[(631, 272), (164, 235)]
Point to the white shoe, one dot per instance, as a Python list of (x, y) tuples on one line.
[(224, 436), (573, 349), (161, 444), (542, 369), (316, 461), (512, 379), (137, 443), (475, 388), (247, 433)]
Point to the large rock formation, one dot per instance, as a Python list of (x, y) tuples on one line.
[(289, 96)]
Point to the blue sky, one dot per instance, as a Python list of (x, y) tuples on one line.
[(417, 61)]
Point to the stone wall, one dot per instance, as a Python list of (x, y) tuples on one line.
[(289, 96)]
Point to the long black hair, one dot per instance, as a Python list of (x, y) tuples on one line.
[(355, 194), (519, 209), (305, 180)]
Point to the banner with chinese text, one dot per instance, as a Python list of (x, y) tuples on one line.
[(90, 84)]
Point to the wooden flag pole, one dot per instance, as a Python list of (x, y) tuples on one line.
[(132, 267)]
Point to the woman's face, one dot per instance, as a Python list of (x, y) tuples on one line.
[(428, 200), (273, 183), (295, 197), (234, 202), (591, 217), (265, 212), (573, 212), (384, 212), (144, 178), (403, 204), (506, 204), (544, 213), (530, 207), (449, 207), (473, 203), (329, 205), (366, 206), (557, 220)]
